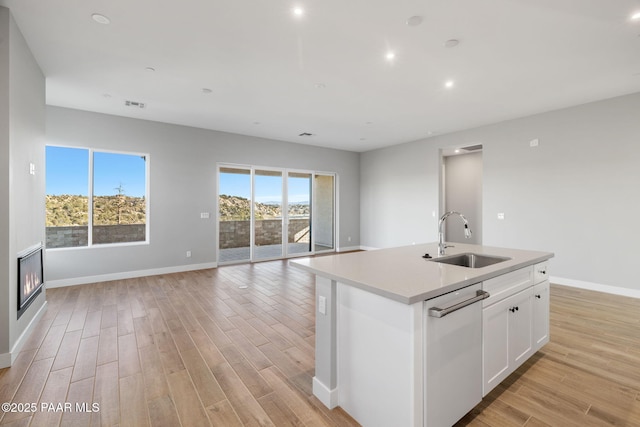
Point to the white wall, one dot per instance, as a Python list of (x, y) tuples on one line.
[(576, 194), (182, 162), (22, 122)]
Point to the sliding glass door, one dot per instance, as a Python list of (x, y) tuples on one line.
[(299, 187), (234, 214), (269, 213)]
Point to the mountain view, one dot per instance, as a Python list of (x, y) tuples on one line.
[(233, 208), (68, 210)]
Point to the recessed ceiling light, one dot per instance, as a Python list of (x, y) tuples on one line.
[(449, 84), (635, 16), (414, 21), (298, 11), (456, 151), (206, 90), (451, 43), (390, 56), (100, 19), (150, 69)]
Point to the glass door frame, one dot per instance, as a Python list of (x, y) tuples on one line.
[(285, 211)]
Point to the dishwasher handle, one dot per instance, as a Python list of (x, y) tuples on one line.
[(441, 312)]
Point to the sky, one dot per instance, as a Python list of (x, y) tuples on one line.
[(67, 172), (268, 188)]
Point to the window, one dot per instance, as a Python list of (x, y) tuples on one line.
[(116, 184)]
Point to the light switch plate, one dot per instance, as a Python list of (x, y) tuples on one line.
[(322, 305)]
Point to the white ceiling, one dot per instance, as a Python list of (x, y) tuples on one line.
[(274, 75)]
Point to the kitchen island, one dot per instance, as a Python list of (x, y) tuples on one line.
[(410, 341)]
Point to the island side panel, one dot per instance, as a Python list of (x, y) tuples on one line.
[(380, 358), (325, 379)]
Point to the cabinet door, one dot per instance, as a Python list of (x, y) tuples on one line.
[(506, 337), (495, 344), (520, 328), (540, 315)]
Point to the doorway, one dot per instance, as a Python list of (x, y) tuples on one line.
[(461, 191)]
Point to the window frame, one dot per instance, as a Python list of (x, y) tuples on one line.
[(90, 196)]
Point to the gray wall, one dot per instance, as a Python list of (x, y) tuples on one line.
[(22, 121), (576, 194), (182, 164), (463, 193)]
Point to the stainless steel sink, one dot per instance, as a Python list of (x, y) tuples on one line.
[(470, 260)]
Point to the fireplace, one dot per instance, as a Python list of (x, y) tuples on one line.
[(30, 277)]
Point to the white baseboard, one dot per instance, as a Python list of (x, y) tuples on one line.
[(7, 359), (615, 290), (328, 397), (348, 249), (368, 248), (128, 275)]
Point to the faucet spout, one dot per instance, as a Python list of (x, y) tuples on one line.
[(441, 243)]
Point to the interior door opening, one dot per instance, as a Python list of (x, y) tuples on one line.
[(461, 191)]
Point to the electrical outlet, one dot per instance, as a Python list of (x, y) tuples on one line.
[(204, 215), (188, 254), (500, 215), (534, 142), (349, 239)]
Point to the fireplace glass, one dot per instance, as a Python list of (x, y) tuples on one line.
[(30, 278)]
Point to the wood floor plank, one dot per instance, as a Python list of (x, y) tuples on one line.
[(66, 355), (188, 405), (248, 409), (107, 395), (222, 414), (108, 345), (30, 388), (162, 412), (54, 393), (80, 397), (92, 324), (205, 384), (133, 406), (86, 360), (128, 357)]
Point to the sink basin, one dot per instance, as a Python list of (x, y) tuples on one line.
[(470, 260)]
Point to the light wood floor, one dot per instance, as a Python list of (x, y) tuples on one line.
[(195, 349)]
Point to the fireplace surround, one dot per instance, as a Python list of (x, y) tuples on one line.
[(30, 277)]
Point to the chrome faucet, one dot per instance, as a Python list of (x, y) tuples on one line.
[(467, 232)]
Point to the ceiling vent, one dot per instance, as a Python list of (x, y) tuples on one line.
[(473, 147), (306, 134), (134, 104)]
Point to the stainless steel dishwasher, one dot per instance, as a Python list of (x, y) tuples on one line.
[(453, 355)]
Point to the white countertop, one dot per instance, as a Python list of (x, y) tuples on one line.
[(403, 275)]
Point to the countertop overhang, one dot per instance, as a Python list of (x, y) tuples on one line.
[(403, 275)]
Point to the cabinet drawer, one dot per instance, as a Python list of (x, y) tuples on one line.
[(508, 284), (541, 272)]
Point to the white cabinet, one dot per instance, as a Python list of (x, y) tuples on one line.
[(515, 321), (540, 315), (506, 337)]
